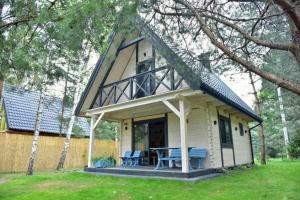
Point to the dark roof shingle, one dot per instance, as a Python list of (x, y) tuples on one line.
[(21, 108)]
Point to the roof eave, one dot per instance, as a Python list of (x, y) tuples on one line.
[(213, 93), (93, 76)]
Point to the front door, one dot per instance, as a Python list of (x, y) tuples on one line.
[(149, 134)]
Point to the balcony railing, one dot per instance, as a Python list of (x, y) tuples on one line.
[(144, 84)]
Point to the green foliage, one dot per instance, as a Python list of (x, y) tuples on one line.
[(107, 131), (294, 147), (270, 103), (57, 34)]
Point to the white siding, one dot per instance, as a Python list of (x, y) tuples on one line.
[(126, 136), (228, 157), (242, 148), (202, 132), (197, 130), (216, 160)]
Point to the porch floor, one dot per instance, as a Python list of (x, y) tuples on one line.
[(148, 171)]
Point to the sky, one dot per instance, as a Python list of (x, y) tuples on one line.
[(240, 84)]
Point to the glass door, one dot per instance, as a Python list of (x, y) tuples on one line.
[(149, 134), (141, 141)]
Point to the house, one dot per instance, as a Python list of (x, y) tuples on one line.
[(19, 109), (164, 97), (18, 113)]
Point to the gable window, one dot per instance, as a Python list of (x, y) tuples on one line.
[(145, 81), (241, 129), (225, 132)]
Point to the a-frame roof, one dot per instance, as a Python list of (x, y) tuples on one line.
[(191, 69)]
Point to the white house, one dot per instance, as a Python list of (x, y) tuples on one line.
[(165, 98)]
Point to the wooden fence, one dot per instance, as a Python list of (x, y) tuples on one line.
[(16, 147)]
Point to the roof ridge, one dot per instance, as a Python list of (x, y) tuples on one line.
[(14, 87)]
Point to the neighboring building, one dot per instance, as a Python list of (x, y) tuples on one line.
[(19, 110), (163, 97)]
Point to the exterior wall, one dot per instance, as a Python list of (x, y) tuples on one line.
[(126, 136), (197, 131), (242, 148), (203, 131), (125, 66), (214, 140)]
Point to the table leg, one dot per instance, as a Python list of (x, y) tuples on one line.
[(160, 163)]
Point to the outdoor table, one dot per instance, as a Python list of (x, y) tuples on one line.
[(160, 153)]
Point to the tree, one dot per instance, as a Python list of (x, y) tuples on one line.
[(78, 86), (235, 28), (271, 103), (261, 127), (37, 130)]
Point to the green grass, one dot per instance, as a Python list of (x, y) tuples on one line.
[(277, 180)]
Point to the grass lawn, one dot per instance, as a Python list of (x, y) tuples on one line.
[(277, 180)]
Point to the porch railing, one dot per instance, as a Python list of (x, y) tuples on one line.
[(141, 85)]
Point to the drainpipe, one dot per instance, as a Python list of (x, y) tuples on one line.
[(252, 155)]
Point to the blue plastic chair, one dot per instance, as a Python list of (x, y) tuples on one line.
[(126, 158), (199, 154), (135, 158)]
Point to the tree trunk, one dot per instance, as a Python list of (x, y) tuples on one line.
[(63, 107), (72, 120), (283, 119), (69, 131), (1, 87), (261, 127), (36, 133)]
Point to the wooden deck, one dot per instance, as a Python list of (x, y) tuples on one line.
[(148, 171)]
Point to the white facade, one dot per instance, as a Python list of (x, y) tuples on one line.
[(201, 111)]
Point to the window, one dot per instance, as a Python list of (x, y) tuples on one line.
[(225, 132), (145, 83), (241, 129)]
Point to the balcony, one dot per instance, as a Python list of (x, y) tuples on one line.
[(159, 80)]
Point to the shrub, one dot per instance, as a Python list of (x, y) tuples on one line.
[(294, 147), (103, 162)]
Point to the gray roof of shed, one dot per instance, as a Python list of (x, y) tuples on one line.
[(21, 108)]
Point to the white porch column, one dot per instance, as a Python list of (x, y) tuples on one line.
[(91, 142), (183, 136)]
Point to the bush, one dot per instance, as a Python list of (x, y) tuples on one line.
[(103, 162), (294, 147), (272, 152)]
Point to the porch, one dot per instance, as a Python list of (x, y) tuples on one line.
[(179, 107), (148, 171)]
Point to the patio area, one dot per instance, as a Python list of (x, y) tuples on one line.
[(149, 171)]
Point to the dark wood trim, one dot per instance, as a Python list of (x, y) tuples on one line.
[(251, 146), (220, 139), (166, 130), (132, 134), (233, 153), (105, 77), (131, 42), (136, 56), (150, 75), (229, 146)]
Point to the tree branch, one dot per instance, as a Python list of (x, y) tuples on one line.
[(272, 45), (294, 87)]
